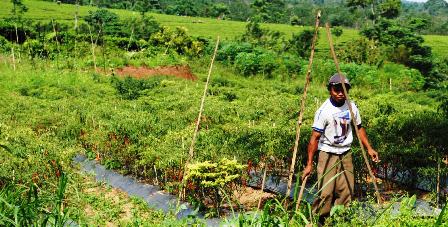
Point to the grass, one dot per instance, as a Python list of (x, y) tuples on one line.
[(197, 26)]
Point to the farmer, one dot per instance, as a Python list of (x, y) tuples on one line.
[(332, 135)]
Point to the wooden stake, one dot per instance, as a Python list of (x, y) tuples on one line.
[(93, 47), (57, 43), (342, 77), (438, 183), (201, 109), (263, 181), (13, 58), (196, 129), (17, 41), (302, 106), (299, 199)]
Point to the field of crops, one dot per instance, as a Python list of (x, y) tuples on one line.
[(132, 107), (206, 27)]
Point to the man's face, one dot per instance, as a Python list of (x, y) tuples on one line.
[(337, 93)]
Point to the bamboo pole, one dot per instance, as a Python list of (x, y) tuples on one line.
[(57, 43), (438, 183), (302, 106), (342, 77), (196, 129), (263, 181), (93, 46), (17, 41), (299, 199), (201, 109), (13, 57)]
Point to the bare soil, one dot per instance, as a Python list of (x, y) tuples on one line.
[(142, 72), (248, 197)]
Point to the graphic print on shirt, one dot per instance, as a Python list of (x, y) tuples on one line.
[(341, 124)]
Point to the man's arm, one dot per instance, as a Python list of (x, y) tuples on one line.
[(312, 148), (365, 141)]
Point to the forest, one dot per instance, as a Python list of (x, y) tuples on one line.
[(121, 83)]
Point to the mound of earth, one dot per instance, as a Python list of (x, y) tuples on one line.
[(181, 71)]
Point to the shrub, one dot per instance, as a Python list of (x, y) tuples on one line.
[(8, 30), (301, 43), (360, 51), (179, 41), (228, 52), (213, 181), (5, 45), (131, 88), (252, 63)]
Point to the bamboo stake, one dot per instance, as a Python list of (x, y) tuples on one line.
[(57, 43), (342, 77), (93, 47), (263, 181), (13, 58), (201, 109), (17, 41), (438, 183), (299, 199), (196, 129), (302, 106)]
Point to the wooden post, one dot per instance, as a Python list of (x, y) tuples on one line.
[(438, 183), (196, 129), (302, 106), (263, 181), (342, 77), (57, 43), (299, 199)]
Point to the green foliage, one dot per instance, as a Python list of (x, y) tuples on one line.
[(301, 43), (228, 51), (256, 63), (18, 8), (8, 30), (337, 31), (269, 10), (104, 21), (141, 27), (213, 181), (5, 45), (214, 175), (25, 206), (179, 41), (360, 51), (131, 88), (365, 214), (403, 46)]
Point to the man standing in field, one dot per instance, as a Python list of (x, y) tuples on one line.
[(332, 135)]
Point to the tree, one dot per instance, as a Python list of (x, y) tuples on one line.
[(301, 43), (270, 10), (220, 10), (18, 8), (105, 22), (144, 6), (295, 20), (337, 31), (378, 8), (402, 45)]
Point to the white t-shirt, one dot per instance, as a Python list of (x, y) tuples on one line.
[(335, 125)]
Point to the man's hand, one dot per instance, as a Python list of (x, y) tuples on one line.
[(374, 155), (307, 171)]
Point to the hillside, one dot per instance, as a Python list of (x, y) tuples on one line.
[(166, 114), (197, 26)]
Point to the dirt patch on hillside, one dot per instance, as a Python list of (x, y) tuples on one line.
[(181, 71)]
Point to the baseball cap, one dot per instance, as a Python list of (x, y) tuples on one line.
[(336, 79)]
